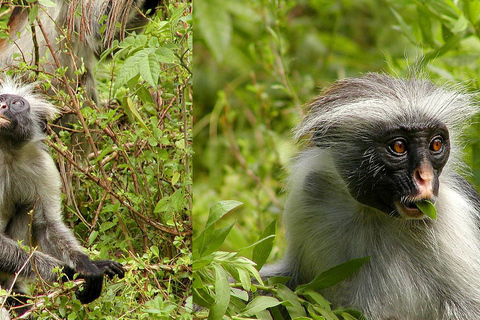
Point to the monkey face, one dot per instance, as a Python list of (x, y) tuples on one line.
[(15, 118), (398, 168)]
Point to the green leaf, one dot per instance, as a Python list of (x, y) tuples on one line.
[(259, 304), (333, 275), (425, 25), (209, 238), (215, 241), (404, 27), (177, 200), (294, 307), (471, 8), (423, 61), (239, 293), (130, 106), (219, 209), (162, 205), (326, 314), (354, 314), (92, 237), (175, 178), (165, 55), (222, 294), (32, 15), (263, 249), (347, 316), (129, 70), (317, 298), (150, 69), (271, 281), (460, 25), (245, 279), (203, 298), (427, 208), (155, 251)]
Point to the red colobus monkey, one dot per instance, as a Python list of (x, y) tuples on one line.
[(378, 146), (30, 202)]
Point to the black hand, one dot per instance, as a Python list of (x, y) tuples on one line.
[(93, 281), (110, 268)]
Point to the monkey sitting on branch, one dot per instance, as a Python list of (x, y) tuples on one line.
[(30, 203), (379, 148)]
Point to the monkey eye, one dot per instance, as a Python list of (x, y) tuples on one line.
[(398, 147), (436, 145)]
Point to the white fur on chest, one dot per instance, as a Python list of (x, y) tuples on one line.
[(24, 178), (417, 269)]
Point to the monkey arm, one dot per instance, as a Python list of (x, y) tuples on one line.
[(13, 259), (57, 240)]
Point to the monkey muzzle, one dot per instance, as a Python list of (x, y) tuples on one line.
[(3, 120), (409, 210)]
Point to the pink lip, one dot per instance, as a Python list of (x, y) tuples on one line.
[(409, 211)]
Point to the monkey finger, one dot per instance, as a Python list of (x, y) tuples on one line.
[(112, 271), (115, 270), (91, 289), (110, 268)]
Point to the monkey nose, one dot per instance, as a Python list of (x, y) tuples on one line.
[(423, 177)]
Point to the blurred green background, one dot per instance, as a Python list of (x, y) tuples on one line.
[(257, 62)]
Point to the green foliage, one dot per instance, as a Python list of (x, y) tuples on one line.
[(244, 296), (129, 198)]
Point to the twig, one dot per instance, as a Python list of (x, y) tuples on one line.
[(101, 183)]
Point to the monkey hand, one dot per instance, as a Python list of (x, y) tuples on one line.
[(93, 281), (92, 272), (110, 268)]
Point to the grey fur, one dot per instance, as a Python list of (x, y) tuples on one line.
[(419, 269)]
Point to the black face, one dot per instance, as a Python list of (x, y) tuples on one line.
[(15, 119), (397, 168)]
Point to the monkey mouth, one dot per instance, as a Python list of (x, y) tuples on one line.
[(408, 209), (4, 121)]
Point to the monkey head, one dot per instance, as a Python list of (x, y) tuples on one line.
[(395, 167), (389, 138), (15, 118)]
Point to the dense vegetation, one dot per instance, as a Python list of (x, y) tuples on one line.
[(256, 63), (130, 198)]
